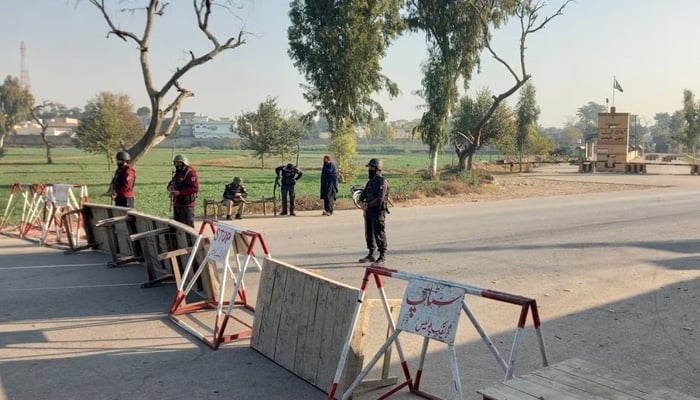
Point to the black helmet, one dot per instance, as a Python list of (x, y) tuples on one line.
[(182, 158), (290, 166), (376, 163), (123, 156)]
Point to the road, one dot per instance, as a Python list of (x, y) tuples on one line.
[(616, 276)]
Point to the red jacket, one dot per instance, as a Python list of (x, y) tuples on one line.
[(123, 181), (186, 182)]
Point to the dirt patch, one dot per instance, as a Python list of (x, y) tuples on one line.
[(503, 187)]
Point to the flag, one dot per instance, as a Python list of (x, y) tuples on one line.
[(617, 86)]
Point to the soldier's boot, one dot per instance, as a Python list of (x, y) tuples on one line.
[(380, 260), (368, 258)]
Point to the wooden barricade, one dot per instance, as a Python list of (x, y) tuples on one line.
[(301, 320), (166, 246), (116, 228), (162, 245)]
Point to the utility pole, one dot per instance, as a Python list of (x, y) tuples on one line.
[(23, 70)]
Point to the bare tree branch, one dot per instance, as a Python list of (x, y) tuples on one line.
[(203, 10)]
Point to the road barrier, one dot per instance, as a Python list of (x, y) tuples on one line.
[(226, 239), (431, 308)]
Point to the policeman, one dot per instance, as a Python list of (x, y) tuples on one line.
[(122, 185), (373, 201), (289, 174), (183, 188), (234, 193)]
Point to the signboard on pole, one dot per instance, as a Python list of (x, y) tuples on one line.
[(221, 242), (431, 309)]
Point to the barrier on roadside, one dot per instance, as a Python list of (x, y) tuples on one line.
[(118, 226), (48, 213), (431, 308), (228, 241)]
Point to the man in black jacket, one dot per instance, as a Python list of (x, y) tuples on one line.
[(289, 175), (373, 201), (234, 194)]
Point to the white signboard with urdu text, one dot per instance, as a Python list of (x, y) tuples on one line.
[(431, 309)]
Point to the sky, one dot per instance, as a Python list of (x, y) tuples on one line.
[(649, 46)]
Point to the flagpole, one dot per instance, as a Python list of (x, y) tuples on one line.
[(613, 87)]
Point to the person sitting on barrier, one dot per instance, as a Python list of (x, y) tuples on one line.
[(122, 187), (234, 193)]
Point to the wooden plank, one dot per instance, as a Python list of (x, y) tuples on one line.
[(502, 392), (302, 320), (603, 376), (548, 392), (322, 328), (339, 315), (150, 233), (577, 379), (262, 306), (576, 386), (291, 309), (306, 361), (269, 320)]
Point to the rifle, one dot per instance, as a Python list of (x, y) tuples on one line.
[(171, 186), (274, 193)]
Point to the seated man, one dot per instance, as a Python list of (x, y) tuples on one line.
[(234, 193)]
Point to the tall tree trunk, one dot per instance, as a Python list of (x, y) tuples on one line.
[(433, 163), (48, 144), (462, 157)]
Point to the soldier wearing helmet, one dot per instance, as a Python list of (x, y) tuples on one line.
[(183, 188), (122, 186), (373, 201), (234, 193), (289, 174)]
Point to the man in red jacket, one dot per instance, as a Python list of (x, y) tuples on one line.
[(122, 186), (183, 190)]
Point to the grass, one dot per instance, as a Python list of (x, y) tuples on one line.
[(27, 165)]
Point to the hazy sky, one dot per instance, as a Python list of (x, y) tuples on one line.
[(648, 45)]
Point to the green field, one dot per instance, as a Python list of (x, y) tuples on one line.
[(27, 165)]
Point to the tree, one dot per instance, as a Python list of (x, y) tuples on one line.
[(527, 12), (338, 47), (162, 103), (15, 103), (269, 132), (688, 136), (588, 118), (36, 111), (109, 122), (498, 131), (455, 36), (379, 131), (539, 145), (527, 113)]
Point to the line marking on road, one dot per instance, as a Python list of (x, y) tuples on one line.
[(52, 266), (71, 287)]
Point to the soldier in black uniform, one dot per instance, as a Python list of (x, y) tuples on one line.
[(289, 175), (373, 201)]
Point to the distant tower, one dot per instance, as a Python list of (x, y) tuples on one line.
[(23, 71)]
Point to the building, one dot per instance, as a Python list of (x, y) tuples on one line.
[(61, 126), (203, 127)]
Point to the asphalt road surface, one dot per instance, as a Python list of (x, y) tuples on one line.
[(616, 276)]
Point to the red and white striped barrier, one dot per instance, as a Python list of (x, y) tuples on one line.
[(431, 308), (47, 213), (225, 239)]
